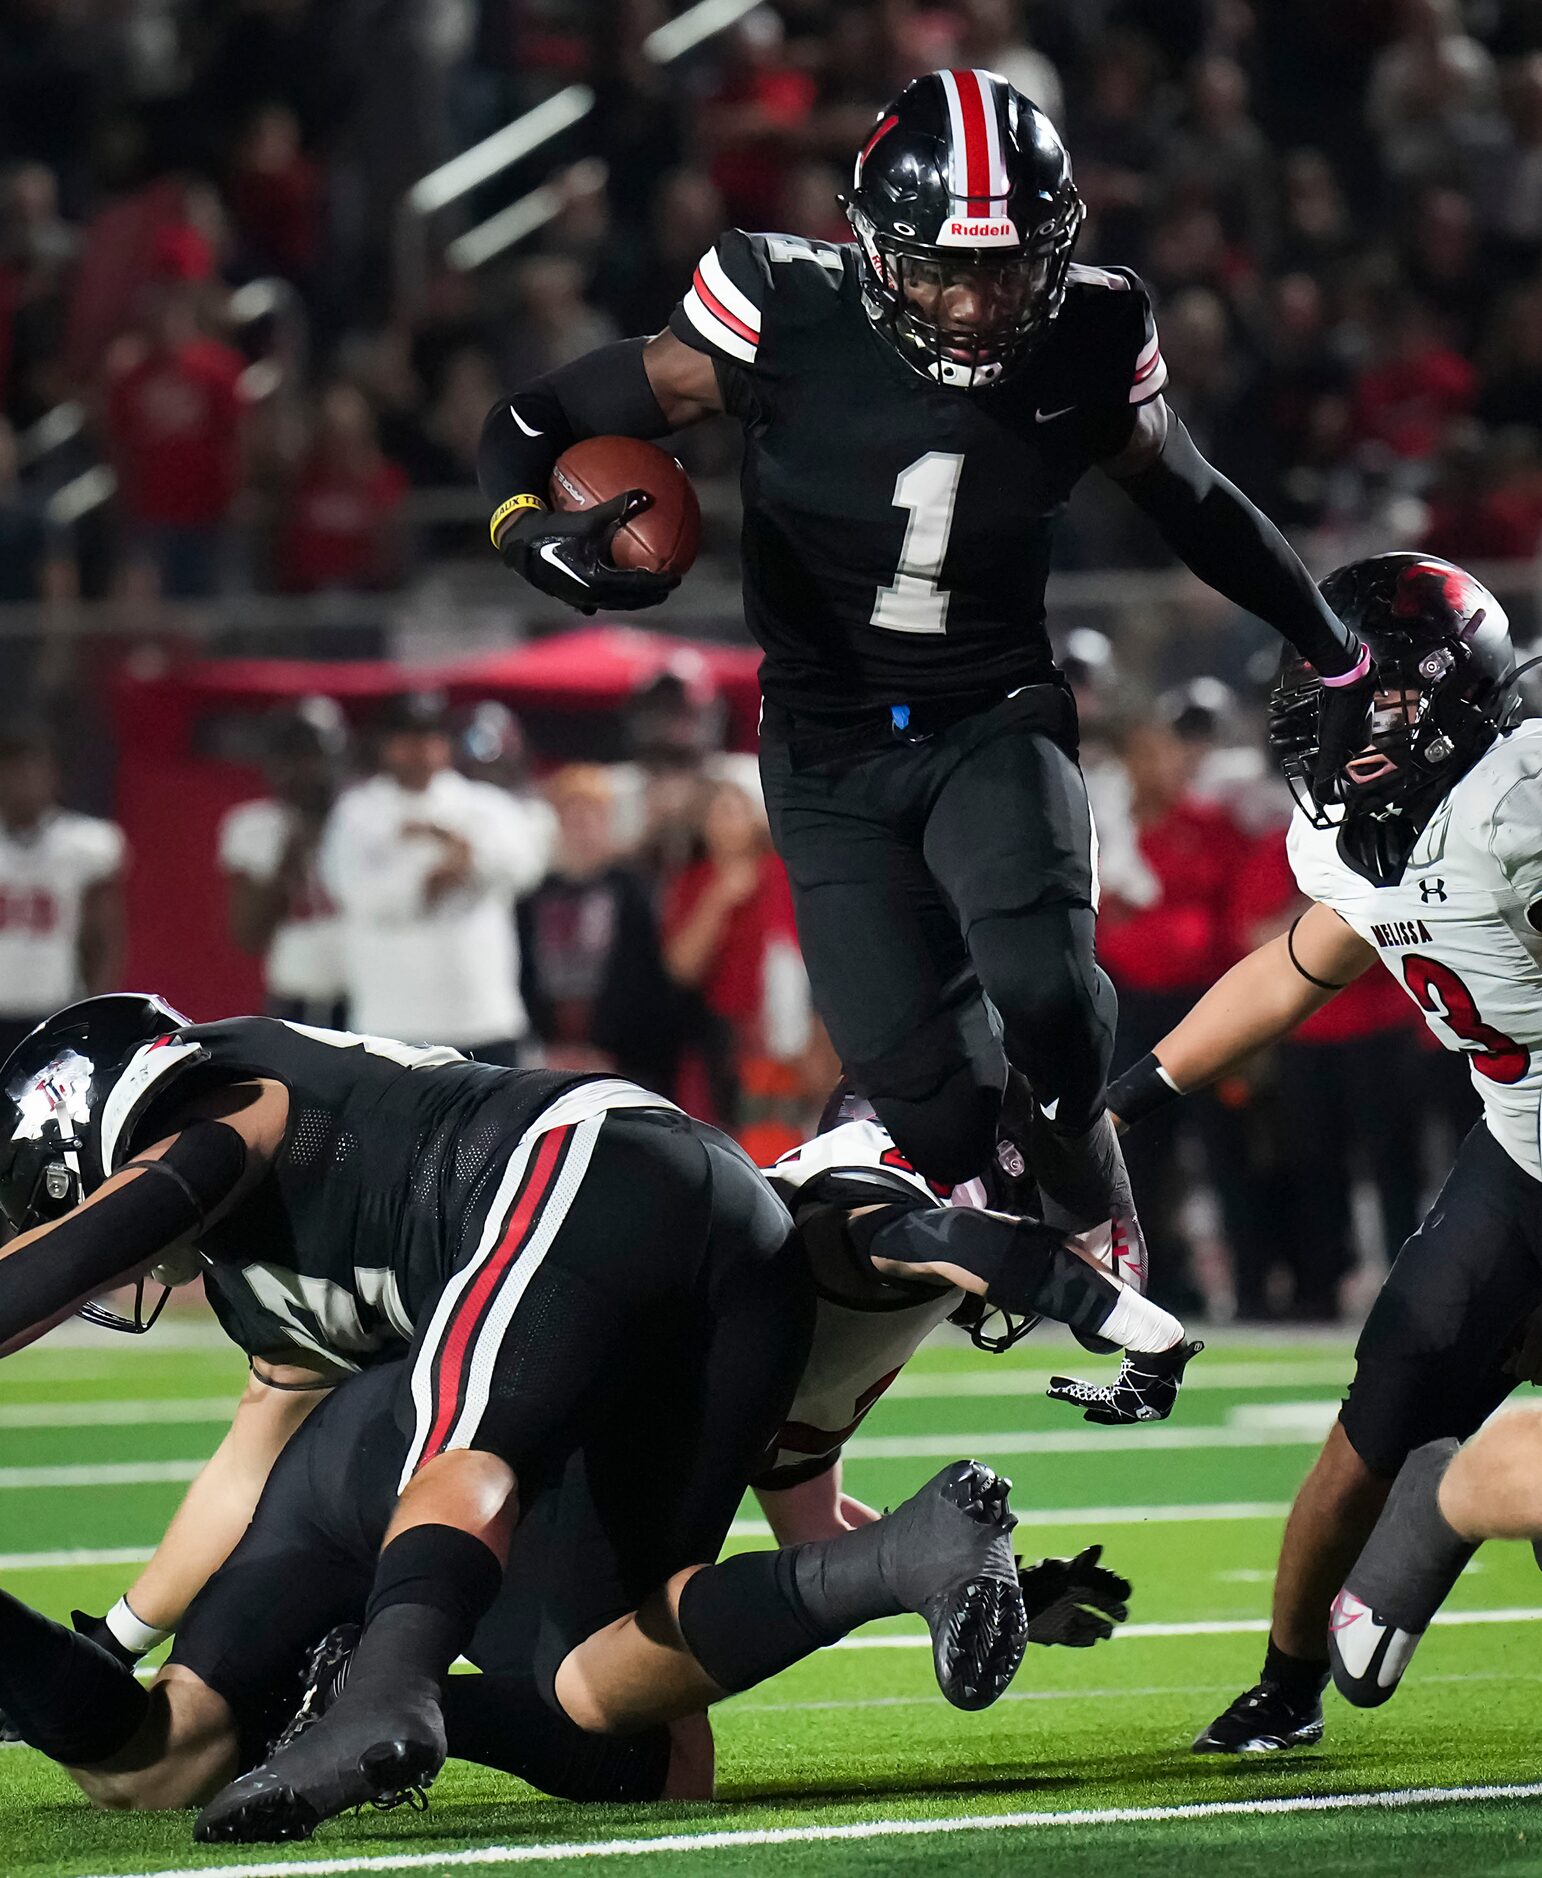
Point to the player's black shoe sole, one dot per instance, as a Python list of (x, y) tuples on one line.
[(263, 1808), (956, 1533), (1398, 1583), (1263, 1720)]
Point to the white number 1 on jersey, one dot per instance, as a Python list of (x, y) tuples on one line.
[(914, 603)]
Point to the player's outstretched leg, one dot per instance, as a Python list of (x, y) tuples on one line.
[(945, 1554), (1398, 1583), (382, 1740)]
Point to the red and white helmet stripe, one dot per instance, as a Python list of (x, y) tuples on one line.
[(977, 168)]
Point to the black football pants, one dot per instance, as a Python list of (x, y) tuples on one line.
[(923, 874)]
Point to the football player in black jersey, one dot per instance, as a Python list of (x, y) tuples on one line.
[(917, 407), (302, 1571), (348, 1194)]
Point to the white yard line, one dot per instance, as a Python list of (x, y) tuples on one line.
[(741, 1707), (1203, 1375), (126, 1414), (1395, 1800), (758, 1529), (73, 1560), (100, 1474), (864, 1448), (1207, 1627), (1076, 1441), (1036, 1516)]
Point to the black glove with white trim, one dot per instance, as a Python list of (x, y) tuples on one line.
[(1075, 1602), (1144, 1390), (567, 556)]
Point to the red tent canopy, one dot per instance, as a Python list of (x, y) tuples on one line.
[(172, 793)]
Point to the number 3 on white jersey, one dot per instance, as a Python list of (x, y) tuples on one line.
[(928, 489)]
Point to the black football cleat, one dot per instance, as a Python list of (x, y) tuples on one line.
[(355, 1755), (325, 1678), (1398, 1583), (947, 1556), (1265, 1719)]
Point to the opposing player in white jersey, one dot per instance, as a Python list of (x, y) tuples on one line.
[(1431, 862), (895, 1256), (61, 892)]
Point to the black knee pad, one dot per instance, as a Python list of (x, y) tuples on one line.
[(950, 1136)]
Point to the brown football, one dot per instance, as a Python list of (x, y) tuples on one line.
[(665, 536)]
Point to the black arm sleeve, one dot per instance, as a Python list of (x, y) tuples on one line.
[(1026, 1267), (1237, 550), (606, 393), (94, 1247)]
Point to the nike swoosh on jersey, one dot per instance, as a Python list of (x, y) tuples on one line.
[(523, 425), (1045, 417), (551, 554)]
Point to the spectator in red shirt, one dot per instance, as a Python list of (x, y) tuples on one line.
[(1414, 385), (757, 121), (275, 195), (1161, 956), (1347, 1107), (728, 935), (342, 525), (1185, 939), (173, 418)]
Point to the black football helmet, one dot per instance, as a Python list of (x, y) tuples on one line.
[(65, 1106), (965, 215), (1442, 689)]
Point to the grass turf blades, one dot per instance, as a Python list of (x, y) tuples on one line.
[(859, 1737)]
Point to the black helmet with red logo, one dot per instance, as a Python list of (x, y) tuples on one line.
[(1443, 688), (71, 1094), (965, 214)]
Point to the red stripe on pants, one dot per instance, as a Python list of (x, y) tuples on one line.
[(461, 1330)]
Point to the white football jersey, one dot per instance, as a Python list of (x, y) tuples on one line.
[(1455, 933), (44, 874), (860, 1344), (305, 956)]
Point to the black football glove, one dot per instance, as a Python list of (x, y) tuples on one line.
[(1073, 1601), (1343, 729), (1144, 1390), (567, 556), (95, 1628)]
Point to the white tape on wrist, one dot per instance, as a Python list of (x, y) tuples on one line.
[(1135, 1323), (131, 1631)]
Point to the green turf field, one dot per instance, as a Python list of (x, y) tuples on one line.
[(853, 1763)]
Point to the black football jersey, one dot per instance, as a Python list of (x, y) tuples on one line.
[(897, 533), (389, 1158)]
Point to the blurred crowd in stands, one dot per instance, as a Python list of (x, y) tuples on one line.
[(1337, 204), (413, 876)]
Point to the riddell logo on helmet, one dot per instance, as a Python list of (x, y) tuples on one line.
[(975, 230)]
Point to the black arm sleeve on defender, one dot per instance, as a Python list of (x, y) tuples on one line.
[(1025, 1266), (92, 1248), (606, 393), (1237, 550)]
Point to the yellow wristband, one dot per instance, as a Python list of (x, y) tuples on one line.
[(505, 509)]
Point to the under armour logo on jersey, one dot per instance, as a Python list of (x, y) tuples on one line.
[(1432, 890)]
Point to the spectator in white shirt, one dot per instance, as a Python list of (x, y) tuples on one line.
[(61, 893), (268, 850), (425, 865)]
